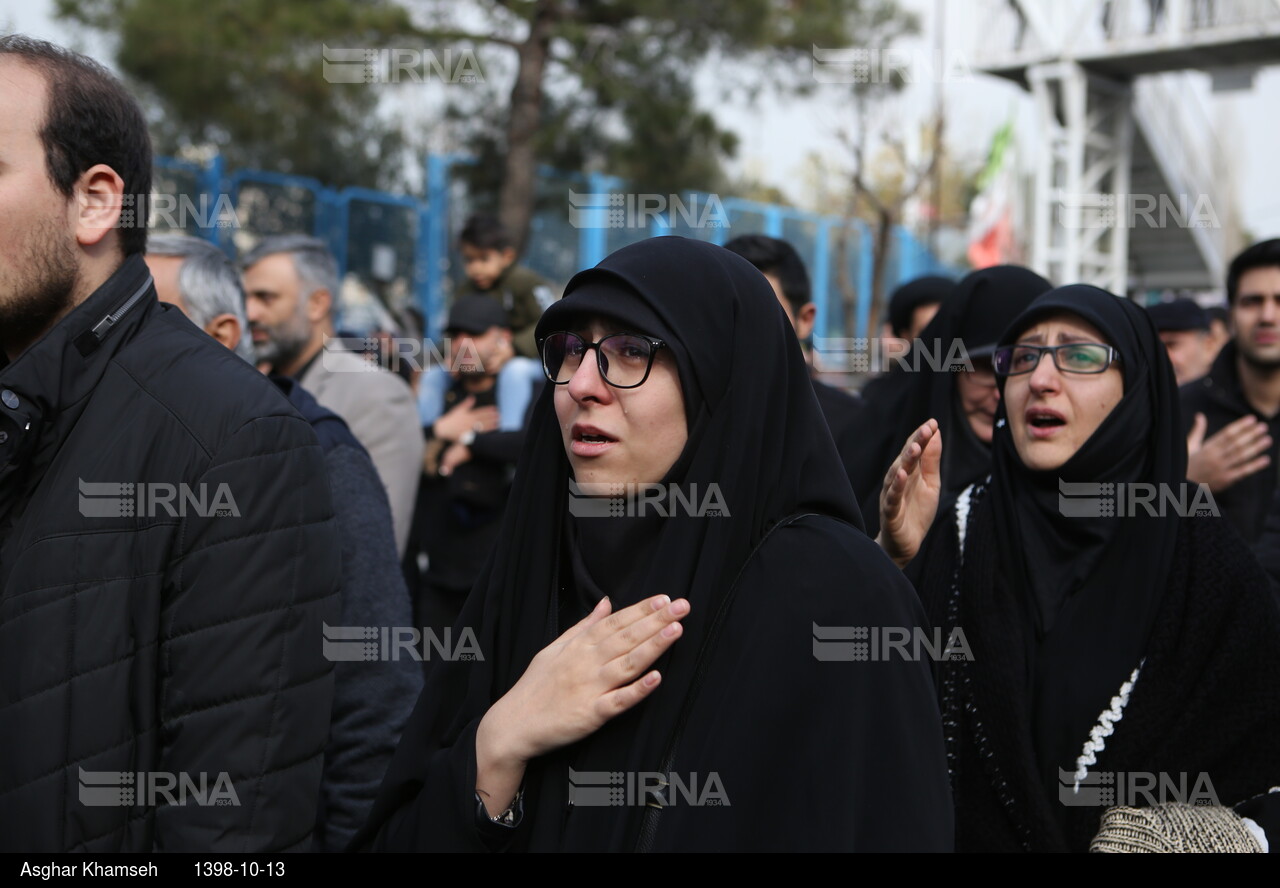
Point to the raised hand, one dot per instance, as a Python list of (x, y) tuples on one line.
[(909, 498)]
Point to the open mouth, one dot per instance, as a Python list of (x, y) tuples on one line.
[(589, 441), (589, 435), (1042, 418)]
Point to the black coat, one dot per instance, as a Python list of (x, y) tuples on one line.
[(1219, 397), (140, 636), (372, 698), (1202, 703)]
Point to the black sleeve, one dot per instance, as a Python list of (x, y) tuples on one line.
[(372, 699), (498, 446), (246, 689), (1267, 547), (505, 446), (437, 811)]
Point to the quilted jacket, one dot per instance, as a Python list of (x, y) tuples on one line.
[(167, 556)]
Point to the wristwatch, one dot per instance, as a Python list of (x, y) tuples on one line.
[(467, 437), (510, 817)]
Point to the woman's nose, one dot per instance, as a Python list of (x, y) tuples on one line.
[(1045, 376), (587, 382)]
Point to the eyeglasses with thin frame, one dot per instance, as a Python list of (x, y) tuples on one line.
[(1074, 357), (624, 359)]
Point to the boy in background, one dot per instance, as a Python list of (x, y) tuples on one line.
[(489, 260)]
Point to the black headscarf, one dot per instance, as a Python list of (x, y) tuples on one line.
[(1091, 587), (982, 304), (755, 429)]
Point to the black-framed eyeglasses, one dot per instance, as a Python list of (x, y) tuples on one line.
[(1074, 357), (624, 359)]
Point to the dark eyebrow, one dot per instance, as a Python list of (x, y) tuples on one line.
[(1064, 338)]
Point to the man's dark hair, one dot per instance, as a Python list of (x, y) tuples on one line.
[(778, 258), (931, 289), (89, 118), (485, 232), (1263, 254)]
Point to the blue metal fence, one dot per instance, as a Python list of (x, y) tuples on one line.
[(400, 243)]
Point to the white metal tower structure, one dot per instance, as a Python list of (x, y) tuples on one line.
[(1130, 186)]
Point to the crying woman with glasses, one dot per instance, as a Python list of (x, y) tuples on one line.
[(668, 624), (1122, 689)]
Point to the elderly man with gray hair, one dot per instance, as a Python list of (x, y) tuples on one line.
[(293, 291), (371, 699), (204, 283)]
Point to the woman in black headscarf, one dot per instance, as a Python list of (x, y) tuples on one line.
[(961, 398), (804, 749), (1106, 640)]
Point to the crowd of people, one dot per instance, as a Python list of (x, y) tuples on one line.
[(234, 554)]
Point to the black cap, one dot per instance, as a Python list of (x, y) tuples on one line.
[(475, 315), (1178, 315)]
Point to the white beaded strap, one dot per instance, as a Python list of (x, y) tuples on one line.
[(1104, 728), (962, 514)]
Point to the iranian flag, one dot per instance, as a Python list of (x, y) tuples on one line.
[(991, 213)]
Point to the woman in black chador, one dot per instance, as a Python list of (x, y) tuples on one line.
[(673, 565), (927, 383), (1117, 635)]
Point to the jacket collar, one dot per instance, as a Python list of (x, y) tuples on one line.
[(1222, 382), (45, 389)]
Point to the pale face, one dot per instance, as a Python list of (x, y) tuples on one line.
[(1255, 314), (484, 267), (979, 398), (803, 323), (621, 436), (1190, 352), (1052, 413), (38, 257), (921, 317)]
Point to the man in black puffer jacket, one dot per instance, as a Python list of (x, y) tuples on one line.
[(167, 546)]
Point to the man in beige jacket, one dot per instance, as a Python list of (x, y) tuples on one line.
[(292, 284)]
